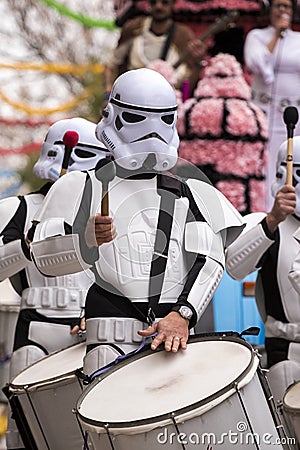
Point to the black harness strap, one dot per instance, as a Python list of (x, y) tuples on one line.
[(168, 42), (169, 189)]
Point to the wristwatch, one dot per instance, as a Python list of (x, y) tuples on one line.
[(184, 311)]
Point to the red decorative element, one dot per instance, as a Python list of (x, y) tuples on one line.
[(29, 148), (70, 138), (26, 122)]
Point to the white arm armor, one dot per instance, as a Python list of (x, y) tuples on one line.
[(54, 252), (56, 255), (200, 238), (243, 255), (12, 258), (294, 273), (205, 285)]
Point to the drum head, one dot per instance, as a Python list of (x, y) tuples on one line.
[(291, 399), (60, 363), (152, 385)]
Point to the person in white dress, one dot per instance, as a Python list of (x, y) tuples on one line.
[(272, 56)]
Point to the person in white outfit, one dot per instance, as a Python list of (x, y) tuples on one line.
[(268, 245), (50, 307), (272, 56), (158, 254)]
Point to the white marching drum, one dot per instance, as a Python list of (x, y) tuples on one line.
[(45, 394), (8, 318), (291, 406), (209, 395)]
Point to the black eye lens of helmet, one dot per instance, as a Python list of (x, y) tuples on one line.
[(83, 153), (297, 171), (169, 119), (132, 118)]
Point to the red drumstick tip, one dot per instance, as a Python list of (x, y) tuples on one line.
[(70, 138)]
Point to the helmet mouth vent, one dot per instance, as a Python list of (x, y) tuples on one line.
[(150, 136)]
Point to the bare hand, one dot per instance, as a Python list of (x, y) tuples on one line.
[(78, 328), (99, 230), (284, 205), (282, 23), (197, 50), (172, 330)]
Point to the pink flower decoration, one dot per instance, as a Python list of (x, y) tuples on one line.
[(182, 110), (262, 120), (206, 117), (241, 120), (225, 132), (257, 196), (223, 64), (165, 69), (234, 191), (240, 158)]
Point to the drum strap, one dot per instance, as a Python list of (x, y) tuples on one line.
[(169, 190)]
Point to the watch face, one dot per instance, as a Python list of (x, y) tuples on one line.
[(185, 312)]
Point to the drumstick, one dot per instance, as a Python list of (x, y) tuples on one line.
[(70, 141), (105, 172), (290, 117)]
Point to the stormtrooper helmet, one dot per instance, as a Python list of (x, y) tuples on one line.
[(85, 154), (139, 121), (281, 170)]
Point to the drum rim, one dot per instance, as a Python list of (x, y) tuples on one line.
[(287, 407), (172, 414), (37, 384)]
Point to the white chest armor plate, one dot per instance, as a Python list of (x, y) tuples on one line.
[(287, 252), (126, 261)]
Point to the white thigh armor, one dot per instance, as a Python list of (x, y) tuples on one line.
[(113, 336)]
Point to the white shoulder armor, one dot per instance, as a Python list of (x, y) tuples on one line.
[(8, 208), (54, 252), (216, 209), (63, 199), (243, 255)]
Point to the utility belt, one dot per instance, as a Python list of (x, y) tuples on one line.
[(281, 102), (68, 301), (114, 330)]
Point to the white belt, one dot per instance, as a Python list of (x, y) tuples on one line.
[(54, 298), (113, 330), (275, 328), (282, 102)]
